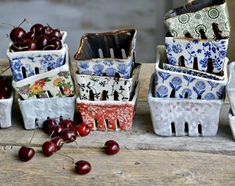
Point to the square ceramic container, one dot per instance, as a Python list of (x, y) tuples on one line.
[(99, 88), (184, 117), (108, 115), (108, 53), (6, 112), (36, 111), (201, 19), (232, 122), (231, 86), (182, 85), (209, 55), (55, 83), (29, 63)]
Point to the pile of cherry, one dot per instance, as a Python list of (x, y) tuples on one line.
[(65, 132), (39, 37), (5, 87)]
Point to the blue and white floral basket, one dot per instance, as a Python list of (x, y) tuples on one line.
[(183, 85), (186, 52), (108, 53)]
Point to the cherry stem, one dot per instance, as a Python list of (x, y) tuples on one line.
[(52, 134), (25, 20), (48, 46), (67, 156)]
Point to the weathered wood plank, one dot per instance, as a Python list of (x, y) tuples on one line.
[(125, 168)]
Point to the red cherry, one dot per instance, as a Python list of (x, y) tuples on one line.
[(36, 28), (58, 141), (32, 45), (66, 123), (48, 148), (82, 130), (42, 42), (18, 46), (5, 88), (47, 30), (29, 36), (48, 124), (56, 130), (57, 34), (26, 153), (54, 44), (17, 33), (68, 135), (82, 167), (111, 147)]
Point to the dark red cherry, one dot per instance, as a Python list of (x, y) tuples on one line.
[(111, 147), (32, 45), (47, 30), (66, 123), (54, 44), (17, 33), (42, 42), (36, 28), (58, 141), (48, 124), (57, 34), (82, 167), (56, 130), (26, 153), (48, 148), (82, 130), (68, 135), (29, 36)]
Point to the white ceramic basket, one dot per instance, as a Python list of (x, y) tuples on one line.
[(205, 55), (36, 111), (184, 85), (55, 83), (231, 86), (200, 22), (29, 63), (108, 53), (6, 112), (108, 115), (183, 117), (107, 88)]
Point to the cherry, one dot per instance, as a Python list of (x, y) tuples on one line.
[(29, 36), (5, 88), (26, 153), (18, 46), (68, 135), (36, 28), (66, 123), (111, 147), (47, 30), (56, 130), (42, 42), (82, 167), (32, 45), (48, 148), (17, 33), (82, 130), (48, 124), (58, 141), (54, 44), (57, 34)]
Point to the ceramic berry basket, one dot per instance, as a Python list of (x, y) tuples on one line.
[(29, 63), (232, 122), (183, 117), (55, 83), (186, 52), (231, 86), (108, 53), (200, 19), (108, 115), (6, 112), (169, 84), (36, 111), (98, 88)]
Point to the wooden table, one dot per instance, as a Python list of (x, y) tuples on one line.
[(144, 159)]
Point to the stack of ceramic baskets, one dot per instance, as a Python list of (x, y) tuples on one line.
[(44, 84), (107, 78), (188, 88)]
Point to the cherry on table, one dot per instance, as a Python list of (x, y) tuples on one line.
[(68, 135), (48, 124), (82, 167), (82, 130), (111, 147), (58, 141), (66, 123), (56, 130), (48, 148), (17, 33), (26, 153)]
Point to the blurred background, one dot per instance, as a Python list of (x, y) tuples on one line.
[(80, 16)]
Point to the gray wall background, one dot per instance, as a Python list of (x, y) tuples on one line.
[(80, 16)]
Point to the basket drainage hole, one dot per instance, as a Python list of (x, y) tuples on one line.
[(186, 129), (91, 95), (95, 124), (115, 95), (61, 118), (172, 93), (106, 124), (36, 70), (118, 125), (24, 72), (181, 61), (36, 123), (173, 129), (195, 65), (200, 129), (104, 95)]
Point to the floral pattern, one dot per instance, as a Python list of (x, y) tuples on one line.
[(54, 86), (31, 61), (202, 19), (202, 50)]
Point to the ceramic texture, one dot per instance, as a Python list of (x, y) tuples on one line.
[(54, 83), (36, 111), (29, 63), (232, 122), (185, 85), (109, 86), (108, 115), (231, 86), (115, 54), (201, 50), (6, 112), (183, 117), (203, 19)]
